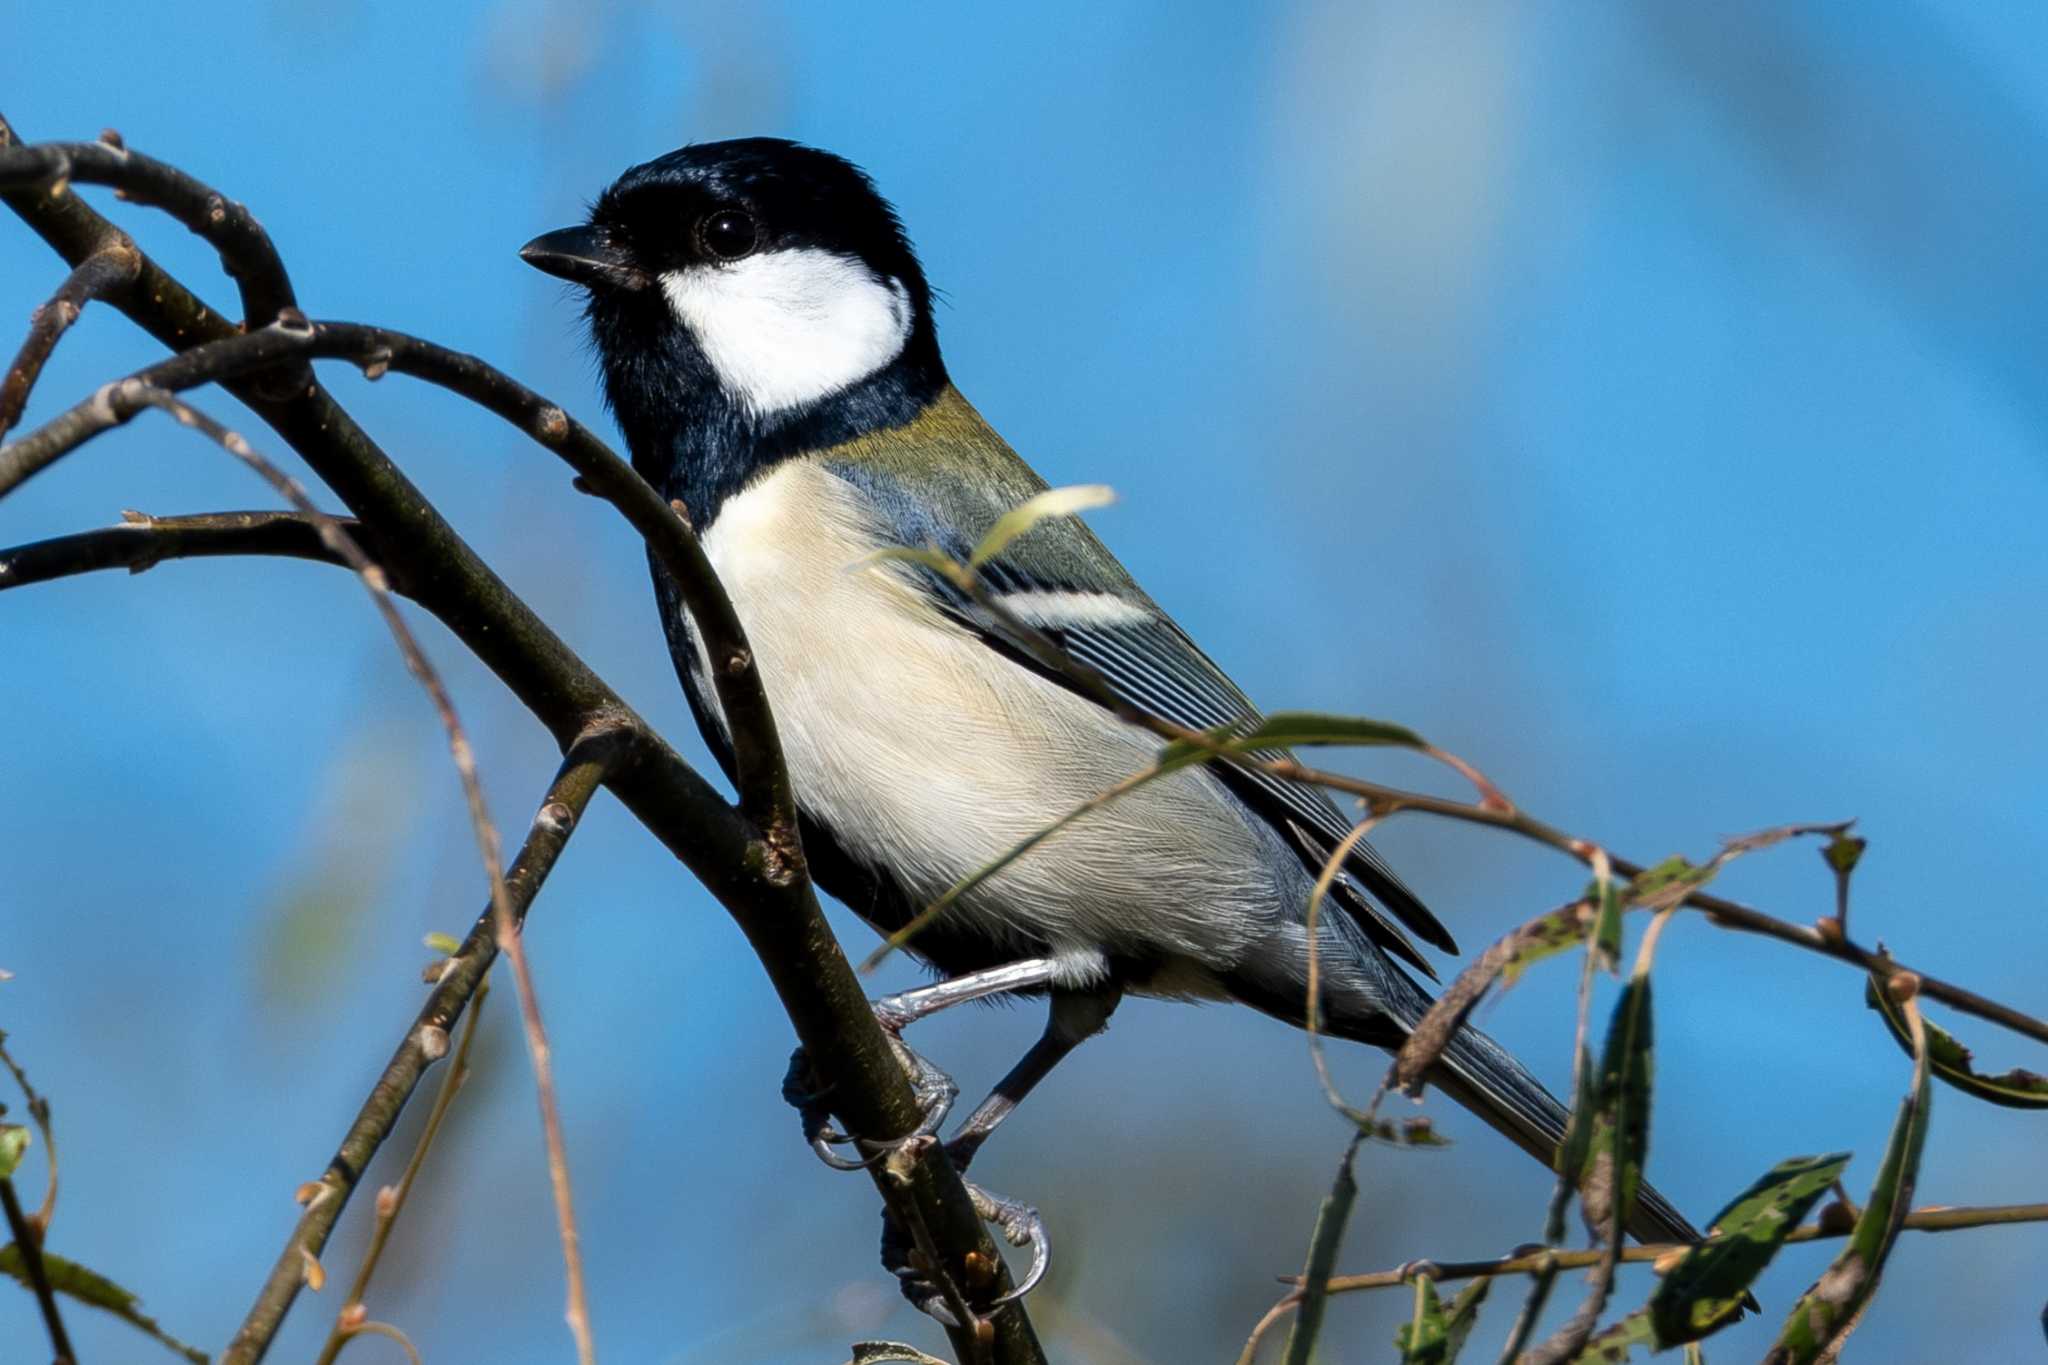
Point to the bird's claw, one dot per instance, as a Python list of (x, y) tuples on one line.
[(932, 1088), (1020, 1225)]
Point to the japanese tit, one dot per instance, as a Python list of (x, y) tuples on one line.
[(767, 346)]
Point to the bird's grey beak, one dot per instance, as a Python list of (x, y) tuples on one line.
[(587, 256)]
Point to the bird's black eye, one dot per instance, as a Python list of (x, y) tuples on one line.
[(728, 234)]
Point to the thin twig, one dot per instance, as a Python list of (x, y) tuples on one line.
[(510, 942), (426, 1040), (1934, 1219), (38, 1110), (391, 1199), (112, 267), (30, 1243)]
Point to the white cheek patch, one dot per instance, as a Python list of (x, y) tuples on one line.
[(785, 327)]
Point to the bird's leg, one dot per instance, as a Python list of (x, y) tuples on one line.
[(1075, 1017), (933, 1088)]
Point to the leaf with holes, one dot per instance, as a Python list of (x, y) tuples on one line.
[(1828, 1311), (1618, 1137), (1954, 1064), (1706, 1289)]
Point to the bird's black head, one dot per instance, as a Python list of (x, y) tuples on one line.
[(749, 300)]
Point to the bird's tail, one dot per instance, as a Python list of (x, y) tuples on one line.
[(1481, 1075), (1370, 1000)]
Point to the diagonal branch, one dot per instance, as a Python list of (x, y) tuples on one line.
[(113, 266), (590, 759), (766, 892), (509, 941)]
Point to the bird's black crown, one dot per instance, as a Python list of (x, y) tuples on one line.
[(718, 203)]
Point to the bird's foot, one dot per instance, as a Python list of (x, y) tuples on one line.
[(1020, 1225), (932, 1088)]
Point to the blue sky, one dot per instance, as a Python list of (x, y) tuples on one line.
[(1651, 410)]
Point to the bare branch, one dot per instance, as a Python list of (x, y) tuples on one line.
[(29, 1239), (140, 542), (1531, 1263), (764, 890), (112, 267), (588, 763)]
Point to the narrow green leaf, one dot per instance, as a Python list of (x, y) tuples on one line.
[(1668, 882), (1292, 730), (1547, 936), (1309, 729), (13, 1144), (1954, 1064), (1053, 502), (1706, 1289), (1578, 1140), (1607, 902), (1434, 1334), (1619, 1136), (1421, 1338), (447, 945), (1615, 1344), (1829, 1310), (89, 1287), (938, 561), (1322, 1261)]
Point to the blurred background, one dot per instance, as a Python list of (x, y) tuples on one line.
[(1646, 402)]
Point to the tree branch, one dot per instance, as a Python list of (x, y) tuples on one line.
[(140, 542), (1923, 1220), (29, 1240), (111, 267), (759, 883), (589, 760)]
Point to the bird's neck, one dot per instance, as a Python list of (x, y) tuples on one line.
[(694, 441)]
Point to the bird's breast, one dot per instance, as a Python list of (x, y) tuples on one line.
[(929, 754)]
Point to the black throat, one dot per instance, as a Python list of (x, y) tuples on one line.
[(695, 442)]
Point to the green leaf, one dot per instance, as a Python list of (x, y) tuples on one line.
[(1614, 1345), (1322, 1262), (447, 945), (1292, 730), (1434, 1336), (1843, 852), (938, 561), (1828, 1311), (1954, 1064), (1669, 882), (13, 1144), (1578, 1140), (1607, 900), (1053, 502), (1547, 936), (89, 1287), (1618, 1137), (1706, 1289)]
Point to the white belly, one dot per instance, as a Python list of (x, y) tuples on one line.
[(928, 753)]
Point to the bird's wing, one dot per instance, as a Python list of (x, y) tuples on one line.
[(1060, 580)]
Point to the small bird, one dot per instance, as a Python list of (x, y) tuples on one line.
[(767, 346)]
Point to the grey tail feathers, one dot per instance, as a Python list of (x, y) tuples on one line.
[(1479, 1074)]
